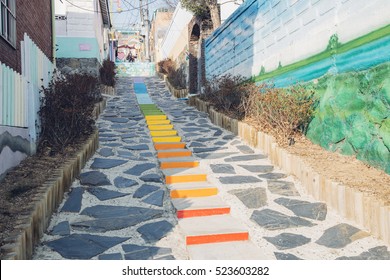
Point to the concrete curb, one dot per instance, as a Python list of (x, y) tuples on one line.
[(31, 226), (364, 210)]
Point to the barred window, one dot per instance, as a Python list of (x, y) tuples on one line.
[(8, 21)]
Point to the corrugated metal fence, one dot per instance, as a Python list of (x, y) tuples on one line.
[(20, 93)]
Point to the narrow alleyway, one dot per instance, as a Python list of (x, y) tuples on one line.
[(121, 207)]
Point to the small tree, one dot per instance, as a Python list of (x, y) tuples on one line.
[(202, 8)]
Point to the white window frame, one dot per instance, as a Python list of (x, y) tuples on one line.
[(8, 21)]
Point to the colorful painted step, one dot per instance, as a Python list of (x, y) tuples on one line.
[(173, 153), (212, 229), (156, 117), (152, 113), (160, 127), (200, 206), (180, 162), (166, 139), (192, 189), (184, 175), (158, 122), (147, 106), (235, 250), (169, 146), (163, 132)]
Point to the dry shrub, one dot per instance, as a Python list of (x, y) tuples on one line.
[(226, 94), (107, 73), (177, 78), (166, 66), (176, 75), (284, 113), (66, 111)]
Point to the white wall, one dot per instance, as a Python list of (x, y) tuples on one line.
[(176, 34)]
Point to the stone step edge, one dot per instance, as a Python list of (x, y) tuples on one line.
[(190, 213), (216, 238)]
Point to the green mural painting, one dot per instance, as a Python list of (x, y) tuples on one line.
[(353, 115), (323, 59)]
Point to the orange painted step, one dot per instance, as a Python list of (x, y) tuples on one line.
[(169, 146), (192, 189), (200, 206), (202, 212), (212, 229), (174, 153), (215, 238), (184, 175), (178, 162)]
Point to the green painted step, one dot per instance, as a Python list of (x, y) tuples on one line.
[(152, 113)]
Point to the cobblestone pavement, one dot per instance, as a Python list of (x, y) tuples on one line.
[(120, 207)]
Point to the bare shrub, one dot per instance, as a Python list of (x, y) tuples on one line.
[(284, 113), (225, 93), (177, 78), (166, 66), (66, 111)]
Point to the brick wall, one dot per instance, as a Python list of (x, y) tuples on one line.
[(33, 17)]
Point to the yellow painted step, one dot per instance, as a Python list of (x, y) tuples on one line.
[(163, 133), (160, 127), (158, 122), (192, 189), (184, 175), (166, 139), (156, 117)]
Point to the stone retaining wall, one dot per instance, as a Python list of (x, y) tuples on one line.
[(31, 226), (354, 205)]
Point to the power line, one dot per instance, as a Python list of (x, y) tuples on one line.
[(129, 10)]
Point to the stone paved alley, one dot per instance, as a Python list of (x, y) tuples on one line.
[(122, 209)]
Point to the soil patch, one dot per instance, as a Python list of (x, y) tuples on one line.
[(344, 169), (21, 184)]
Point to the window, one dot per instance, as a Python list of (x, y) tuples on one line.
[(8, 21)]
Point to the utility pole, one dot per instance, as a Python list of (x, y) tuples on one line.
[(144, 13)]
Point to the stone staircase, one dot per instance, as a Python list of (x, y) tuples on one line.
[(204, 218)]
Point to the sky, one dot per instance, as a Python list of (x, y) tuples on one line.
[(125, 13)]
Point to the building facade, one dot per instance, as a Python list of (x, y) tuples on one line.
[(82, 35), (26, 56)]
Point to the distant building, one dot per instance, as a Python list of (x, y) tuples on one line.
[(159, 27), (82, 34)]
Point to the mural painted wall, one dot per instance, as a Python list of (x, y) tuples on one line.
[(135, 69), (340, 48), (267, 38)]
